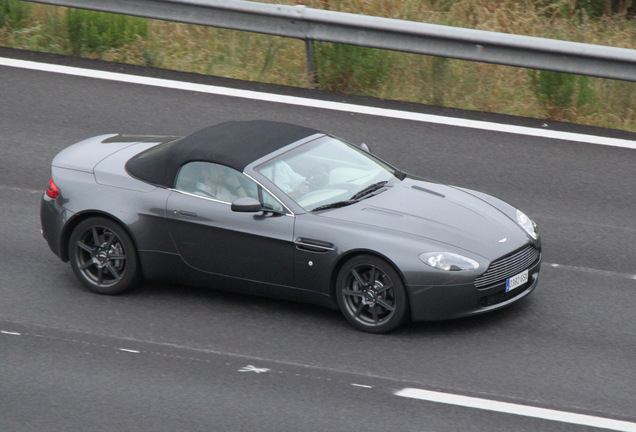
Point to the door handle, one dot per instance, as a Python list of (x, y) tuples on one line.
[(187, 213)]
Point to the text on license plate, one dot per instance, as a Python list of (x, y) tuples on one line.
[(516, 281)]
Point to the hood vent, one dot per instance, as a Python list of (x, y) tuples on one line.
[(420, 188)]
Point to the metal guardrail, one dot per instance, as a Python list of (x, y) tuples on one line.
[(310, 25)]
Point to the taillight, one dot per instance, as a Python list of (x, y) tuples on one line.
[(52, 191)]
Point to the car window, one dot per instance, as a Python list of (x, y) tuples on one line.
[(222, 183), (270, 202), (325, 171)]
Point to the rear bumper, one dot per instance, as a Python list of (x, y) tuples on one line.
[(431, 303), (52, 220)]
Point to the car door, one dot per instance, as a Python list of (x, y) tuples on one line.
[(212, 238)]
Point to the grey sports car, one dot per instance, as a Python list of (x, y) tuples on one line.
[(286, 211)]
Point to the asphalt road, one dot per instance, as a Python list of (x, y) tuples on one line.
[(167, 357)]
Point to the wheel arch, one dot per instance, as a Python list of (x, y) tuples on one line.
[(81, 217), (342, 260)]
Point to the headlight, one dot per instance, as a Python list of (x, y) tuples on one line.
[(527, 224), (448, 261)]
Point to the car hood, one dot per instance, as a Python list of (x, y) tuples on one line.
[(439, 213)]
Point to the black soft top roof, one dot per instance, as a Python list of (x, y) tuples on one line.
[(235, 144)]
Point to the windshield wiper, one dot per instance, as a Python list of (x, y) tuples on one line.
[(354, 199), (367, 190), (335, 205)]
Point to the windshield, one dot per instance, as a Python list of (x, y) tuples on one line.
[(327, 173)]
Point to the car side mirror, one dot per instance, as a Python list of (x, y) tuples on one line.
[(365, 147), (246, 205)]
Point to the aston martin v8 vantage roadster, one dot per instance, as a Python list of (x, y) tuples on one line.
[(285, 211)]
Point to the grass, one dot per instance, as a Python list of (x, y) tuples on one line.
[(355, 70)]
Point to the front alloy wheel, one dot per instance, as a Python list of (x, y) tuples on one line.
[(371, 295), (103, 256)]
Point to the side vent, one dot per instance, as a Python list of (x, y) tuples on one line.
[(311, 245)]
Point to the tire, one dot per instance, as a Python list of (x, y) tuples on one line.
[(103, 256), (371, 294)]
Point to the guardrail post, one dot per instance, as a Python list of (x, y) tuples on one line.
[(311, 72)]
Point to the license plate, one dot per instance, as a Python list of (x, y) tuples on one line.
[(516, 281)]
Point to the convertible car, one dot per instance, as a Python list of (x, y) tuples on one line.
[(286, 211)]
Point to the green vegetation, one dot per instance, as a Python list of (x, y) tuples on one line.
[(355, 70), (558, 92), (95, 32), (13, 14), (351, 69)]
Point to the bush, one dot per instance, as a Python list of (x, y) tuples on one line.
[(351, 69), (558, 92), (97, 32), (13, 13)]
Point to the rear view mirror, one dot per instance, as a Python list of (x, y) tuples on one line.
[(365, 147), (246, 205)]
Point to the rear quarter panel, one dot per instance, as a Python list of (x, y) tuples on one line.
[(106, 189)]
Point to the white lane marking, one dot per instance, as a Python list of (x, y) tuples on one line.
[(362, 385), (591, 270), (250, 368), (129, 351), (10, 333), (522, 410), (19, 189), (314, 103)]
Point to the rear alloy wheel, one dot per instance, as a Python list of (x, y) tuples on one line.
[(103, 256), (371, 294)]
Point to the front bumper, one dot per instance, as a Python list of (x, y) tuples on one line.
[(430, 303)]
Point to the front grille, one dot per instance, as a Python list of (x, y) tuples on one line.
[(508, 266)]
